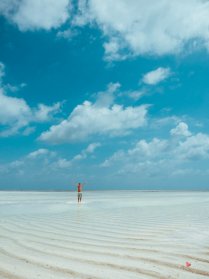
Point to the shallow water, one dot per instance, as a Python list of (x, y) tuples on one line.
[(111, 234)]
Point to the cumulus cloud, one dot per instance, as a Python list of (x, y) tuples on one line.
[(39, 153), (143, 150), (43, 112), (89, 150), (132, 27), (16, 114), (156, 76), (114, 49), (166, 121), (47, 162), (117, 156), (106, 98), (194, 147), (36, 14), (63, 163), (99, 118), (149, 149), (34, 160), (181, 130), (38, 162), (88, 120), (161, 155), (141, 27)]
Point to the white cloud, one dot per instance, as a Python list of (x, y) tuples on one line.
[(40, 152), (100, 118), (106, 98), (16, 114), (181, 130), (113, 50), (44, 157), (141, 152), (2, 71), (44, 113), (89, 150), (130, 27), (149, 149), (33, 161), (88, 120), (92, 147), (36, 14), (14, 88), (147, 26), (166, 121), (117, 156), (47, 161), (68, 34), (161, 156), (194, 147), (137, 94), (156, 76), (63, 163)]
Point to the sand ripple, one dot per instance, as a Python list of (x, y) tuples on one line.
[(47, 235)]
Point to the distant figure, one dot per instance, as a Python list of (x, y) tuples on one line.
[(79, 188)]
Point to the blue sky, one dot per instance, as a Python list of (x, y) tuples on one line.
[(113, 95)]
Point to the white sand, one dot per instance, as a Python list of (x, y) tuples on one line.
[(113, 234)]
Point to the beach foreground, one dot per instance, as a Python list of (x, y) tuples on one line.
[(112, 234)]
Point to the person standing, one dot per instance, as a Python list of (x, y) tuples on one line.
[(79, 189)]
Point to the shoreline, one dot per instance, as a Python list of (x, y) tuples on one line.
[(106, 190)]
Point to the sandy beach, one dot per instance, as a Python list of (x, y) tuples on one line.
[(112, 234)]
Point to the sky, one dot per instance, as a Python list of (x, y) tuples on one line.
[(111, 94)]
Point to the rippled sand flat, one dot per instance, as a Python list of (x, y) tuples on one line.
[(112, 234)]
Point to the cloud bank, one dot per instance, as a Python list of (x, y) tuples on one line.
[(163, 156)]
